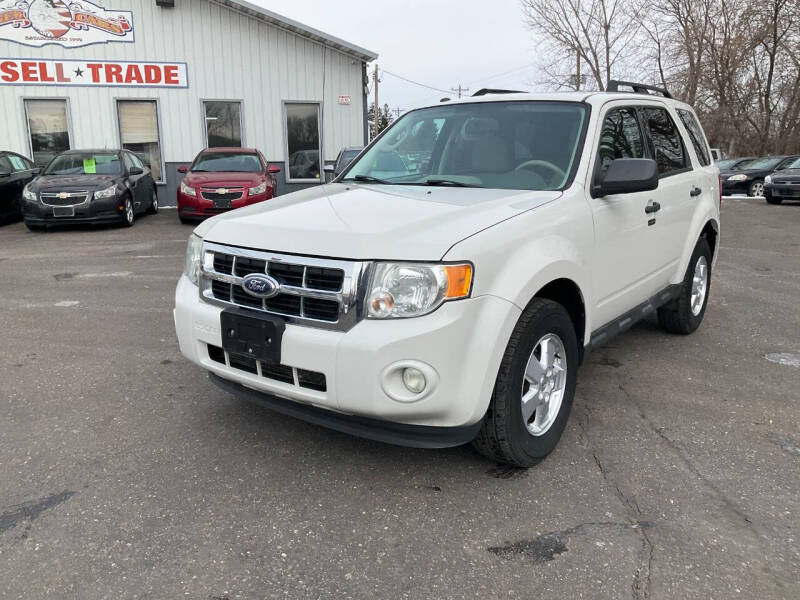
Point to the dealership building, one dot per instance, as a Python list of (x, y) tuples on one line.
[(167, 78)]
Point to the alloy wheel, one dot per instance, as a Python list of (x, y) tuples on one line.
[(544, 384), (699, 285)]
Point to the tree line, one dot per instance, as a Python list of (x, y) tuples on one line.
[(737, 62)]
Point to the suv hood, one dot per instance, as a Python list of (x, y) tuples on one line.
[(370, 221)]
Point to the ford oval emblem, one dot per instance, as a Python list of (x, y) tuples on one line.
[(261, 286)]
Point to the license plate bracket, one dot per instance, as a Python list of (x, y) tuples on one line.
[(222, 203), (63, 211), (251, 335)]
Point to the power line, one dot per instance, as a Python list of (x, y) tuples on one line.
[(430, 87)]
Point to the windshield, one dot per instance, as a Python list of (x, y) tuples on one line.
[(761, 164), (794, 165), (726, 164), (529, 145), (216, 162), (85, 164)]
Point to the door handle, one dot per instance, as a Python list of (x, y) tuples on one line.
[(696, 191), (652, 208)]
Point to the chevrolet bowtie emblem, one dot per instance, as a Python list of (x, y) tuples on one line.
[(222, 190), (63, 195)]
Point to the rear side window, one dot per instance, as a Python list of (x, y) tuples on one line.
[(667, 145), (696, 135), (620, 137)]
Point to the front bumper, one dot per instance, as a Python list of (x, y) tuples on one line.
[(462, 342), (784, 191), (105, 210), (195, 207)]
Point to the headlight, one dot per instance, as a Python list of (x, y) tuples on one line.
[(28, 194), (768, 179), (259, 189), (109, 192), (741, 177), (400, 290), (194, 250), (189, 191)]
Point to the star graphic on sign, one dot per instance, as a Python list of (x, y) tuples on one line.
[(78, 72)]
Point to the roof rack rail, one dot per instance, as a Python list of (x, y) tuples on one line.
[(485, 91), (639, 88)]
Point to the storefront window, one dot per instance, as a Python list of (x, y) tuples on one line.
[(223, 124), (138, 132), (302, 141), (48, 127)]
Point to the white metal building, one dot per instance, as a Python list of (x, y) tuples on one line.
[(167, 78)]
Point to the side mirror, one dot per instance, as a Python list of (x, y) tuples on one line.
[(37, 170), (629, 175), (183, 169), (274, 169), (136, 171), (329, 168)]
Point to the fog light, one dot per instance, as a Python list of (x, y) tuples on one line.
[(414, 380)]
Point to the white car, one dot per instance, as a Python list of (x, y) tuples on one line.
[(449, 301)]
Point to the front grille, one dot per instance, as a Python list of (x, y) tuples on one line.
[(311, 380), (69, 199), (316, 292), (229, 195)]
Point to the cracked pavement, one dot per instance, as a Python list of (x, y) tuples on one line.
[(125, 474)]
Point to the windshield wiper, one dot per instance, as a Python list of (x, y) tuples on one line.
[(452, 182), (368, 179)]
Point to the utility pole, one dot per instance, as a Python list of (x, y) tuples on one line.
[(397, 112), (376, 110), (459, 90)]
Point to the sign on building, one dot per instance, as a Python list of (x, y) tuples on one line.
[(68, 23), (93, 73)]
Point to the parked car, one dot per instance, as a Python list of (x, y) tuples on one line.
[(749, 177), (221, 179), (783, 185), (433, 306), (732, 164), (345, 157), (16, 172), (90, 186)]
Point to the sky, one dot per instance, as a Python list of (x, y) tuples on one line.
[(440, 43)]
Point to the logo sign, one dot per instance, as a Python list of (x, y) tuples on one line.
[(68, 23), (261, 286), (93, 73), (222, 190), (344, 100)]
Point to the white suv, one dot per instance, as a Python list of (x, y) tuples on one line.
[(445, 288)]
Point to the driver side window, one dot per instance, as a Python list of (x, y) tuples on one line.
[(620, 137)]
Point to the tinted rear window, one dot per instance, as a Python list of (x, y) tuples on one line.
[(696, 135), (667, 144)]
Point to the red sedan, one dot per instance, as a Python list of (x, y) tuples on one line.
[(221, 179)]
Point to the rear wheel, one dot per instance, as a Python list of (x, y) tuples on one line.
[(756, 188), (685, 313), (153, 210), (534, 389)]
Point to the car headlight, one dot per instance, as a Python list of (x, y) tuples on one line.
[(189, 191), (741, 177), (109, 192), (768, 179), (401, 290), (194, 251), (259, 189), (28, 194)]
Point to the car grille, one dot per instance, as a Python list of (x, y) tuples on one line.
[(69, 199), (313, 291), (229, 195), (311, 380), (786, 181)]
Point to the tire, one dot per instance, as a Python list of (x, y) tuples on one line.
[(37, 228), (128, 214), (505, 435), (756, 188), (153, 210), (678, 315)]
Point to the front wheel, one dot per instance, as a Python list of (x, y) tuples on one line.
[(756, 188), (685, 313), (534, 389), (128, 216)]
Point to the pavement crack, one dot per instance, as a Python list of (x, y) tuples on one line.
[(31, 510)]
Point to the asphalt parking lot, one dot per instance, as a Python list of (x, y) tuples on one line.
[(124, 473)]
